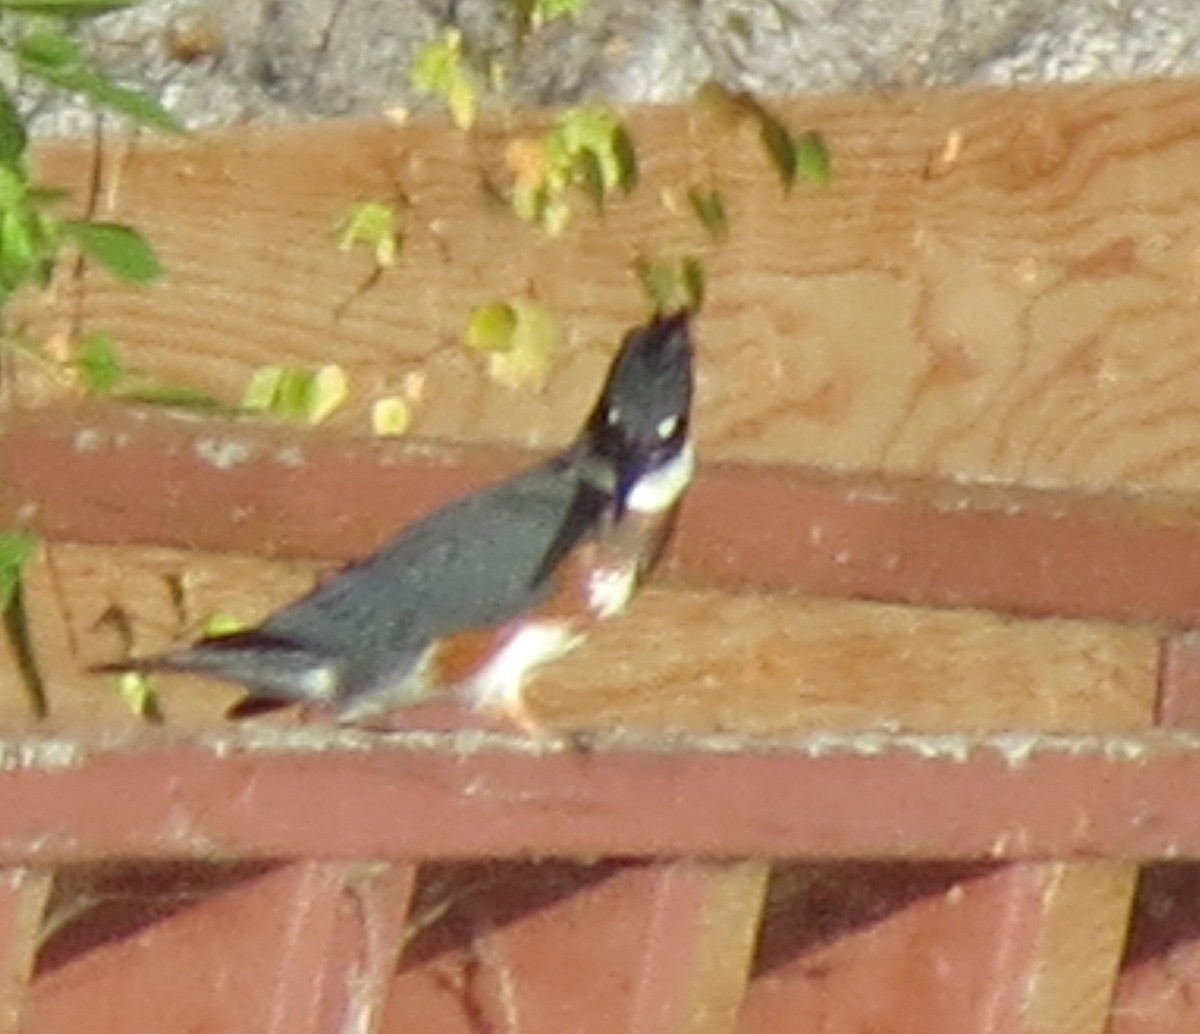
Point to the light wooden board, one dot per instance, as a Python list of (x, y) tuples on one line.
[(998, 284), (677, 661), (1087, 908)]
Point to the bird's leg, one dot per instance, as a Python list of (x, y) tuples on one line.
[(496, 689)]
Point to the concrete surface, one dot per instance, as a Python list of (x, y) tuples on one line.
[(229, 61)]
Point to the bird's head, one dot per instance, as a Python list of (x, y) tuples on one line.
[(639, 427)]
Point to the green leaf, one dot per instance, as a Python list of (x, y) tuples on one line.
[(491, 327), (140, 107), (671, 284), (812, 159), (222, 623), (99, 365), (462, 98), (137, 692), (17, 548), (372, 224), (547, 10), (18, 245), (58, 61), (709, 208), (46, 49), (328, 388), (12, 131), (590, 130), (521, 340), (659, 280), (178, 397), (15, 621), (625, 157), (14, 186), (391, 416), (66, 8), (591, 177), (120, 249), (262, 388), (777, 141), (439, 70), (42, 196), (586, 148), (694, 284), (295, 394)]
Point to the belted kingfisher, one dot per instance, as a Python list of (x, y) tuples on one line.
[(476, 595)]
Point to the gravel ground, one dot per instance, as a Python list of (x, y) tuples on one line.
[(229, 61)]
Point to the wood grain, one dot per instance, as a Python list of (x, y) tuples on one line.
[(1086, 913), (997, 285), (682, 661), (23, 894), (286, 952), (704, 924)]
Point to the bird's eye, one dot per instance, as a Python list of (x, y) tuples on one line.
[(613, 416), (666, 428)]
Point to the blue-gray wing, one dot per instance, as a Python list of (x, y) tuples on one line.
[(479, 561)]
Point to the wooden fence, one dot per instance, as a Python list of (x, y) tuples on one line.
[(903, 739)]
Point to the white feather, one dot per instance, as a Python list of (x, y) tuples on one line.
[(661, 489)]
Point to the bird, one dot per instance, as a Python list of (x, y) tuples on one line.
[(477, 595)]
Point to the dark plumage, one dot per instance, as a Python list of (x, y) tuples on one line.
[(363, 640)]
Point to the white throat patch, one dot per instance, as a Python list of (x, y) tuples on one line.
[(661, 489)]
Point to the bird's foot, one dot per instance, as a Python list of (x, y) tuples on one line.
[(513, 714)]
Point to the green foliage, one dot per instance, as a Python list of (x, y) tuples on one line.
[(99, 366), (296, 394), (137, 692), (221, 622), (671, 284), (37, 38), (533, 14), (391, 416), (794, 157), (373, 225), (588, 148), (49, 54), (37, 45), (121, 250), (440, 70), (177, 396), (66, 8), (520, 339), (17, 548), (813, 161), (709, 208), (102, 372)]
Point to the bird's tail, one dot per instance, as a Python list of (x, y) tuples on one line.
[(275, 671)]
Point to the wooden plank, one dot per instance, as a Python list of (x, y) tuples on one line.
[(552, 945), (1156, 987), (997, 285), (1072, 980), (307, 947), (365, 944), (930, 948), (679, 661), (699, 947), (941, 948), (22, 899), (1159, 987), (105, 475), (427, 795), (538, 947)]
